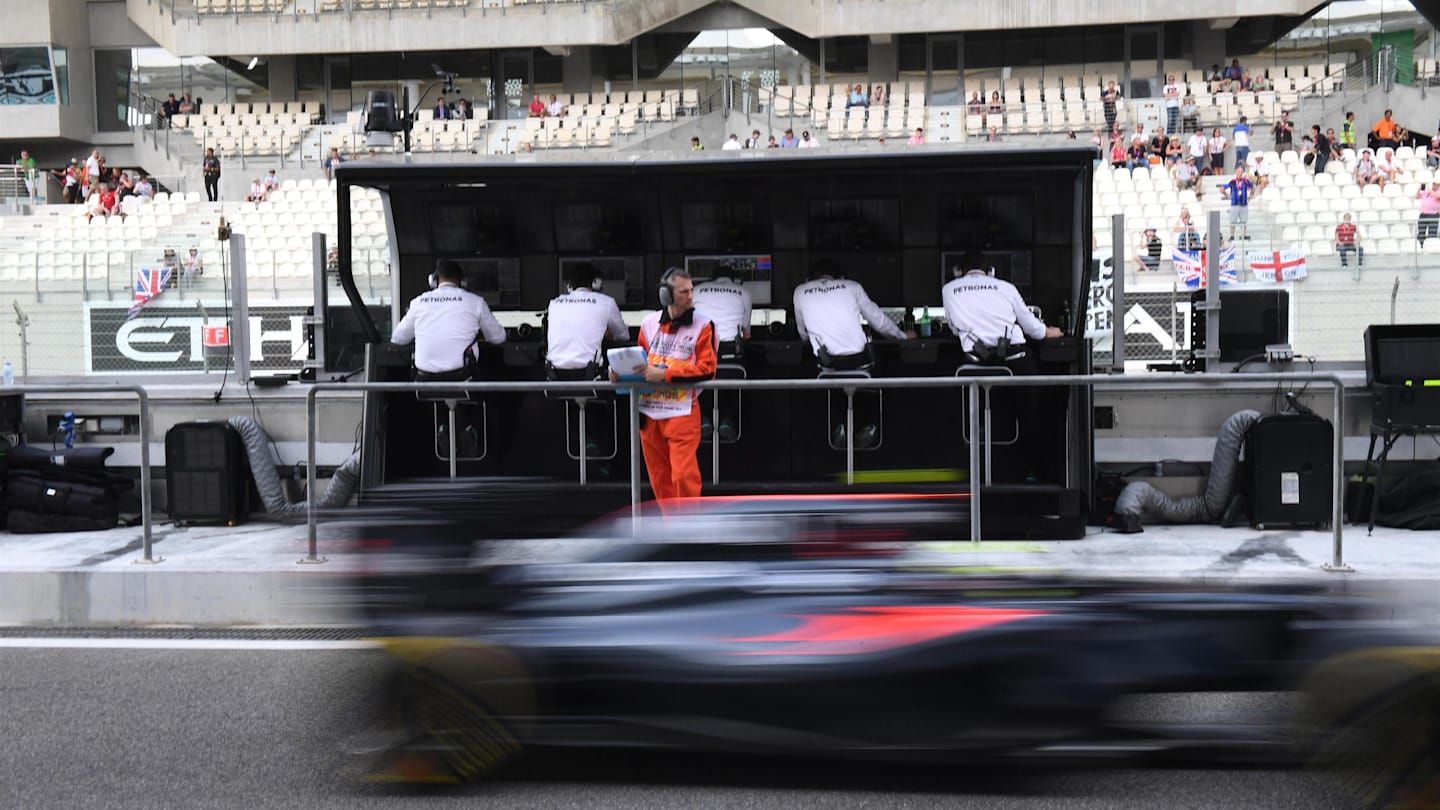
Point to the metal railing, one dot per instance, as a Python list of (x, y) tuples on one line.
[(977, 391), (146, 520)]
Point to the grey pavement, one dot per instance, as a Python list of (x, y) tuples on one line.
[(252, 574)]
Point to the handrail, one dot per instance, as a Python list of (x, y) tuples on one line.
[(146, 522), (973, 385)]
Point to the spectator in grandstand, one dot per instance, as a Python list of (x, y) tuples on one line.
[(1284, 133), (1138, 154), (1384, 131), (25, 170), (1261, 82), (753, 142), (1174, 150), (1185, 173), (554, 109), (1244, 84), (1432, 155), (976, 105), (1196, 147), (997, 107), (1189, 115), (1335, 151), (1234, 71), (1429, 222), (537, 107), (188, 107), (210, 172), (1171, 91), (1148, 248), (193, 266), (169, 109), (272, 182), (1118, 158), (257, 192), (107, 203), (464, 111), (1213, 75), (880, 141), (918, 139), (807, 142), (1307, 150), (1388, 165), (1322, 147), (124, 186), (1241, 136), (442, 110), (1366, 172), (772, 143), (993, 135), (857, 98), (331, 162), (695, 145), (1347, 131), (1239, 189), (878, 95), (732, 144), (789, 141), (1110, 98), (1261, 173), (1187, 237), (144, 189), (91, 175), (171, 262), (1347, 241), (69, 178)]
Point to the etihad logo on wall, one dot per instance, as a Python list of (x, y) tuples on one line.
[(172, 339)]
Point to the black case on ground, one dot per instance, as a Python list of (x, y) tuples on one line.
[(1288, 466), (206, 474), (1399, 359)]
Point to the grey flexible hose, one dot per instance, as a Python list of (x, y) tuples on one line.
[(1139, 499), (267, 481)]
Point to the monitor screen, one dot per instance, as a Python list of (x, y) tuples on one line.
[(471, 229), (855, 224), (754, 271), (623, 276), (495, 280), (986, 220), (725, 225), (593, 227), (1249, 321)]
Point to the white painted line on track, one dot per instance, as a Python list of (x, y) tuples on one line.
[(181, 644)]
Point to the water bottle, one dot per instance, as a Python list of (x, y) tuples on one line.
[(9, 374), (925, 322)]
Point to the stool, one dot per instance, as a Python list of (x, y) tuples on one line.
[(452, 399), (581, 400), (724, 371), (975, 368), (850, 367)]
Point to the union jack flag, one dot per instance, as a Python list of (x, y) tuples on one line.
[(149, 282), (1190, 266)]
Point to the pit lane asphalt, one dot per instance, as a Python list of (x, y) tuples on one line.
[(224, 728)]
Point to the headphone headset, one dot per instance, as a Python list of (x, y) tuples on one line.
[(667, 292)]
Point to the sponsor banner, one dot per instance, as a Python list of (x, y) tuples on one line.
[(1278, 266), (163, 338)]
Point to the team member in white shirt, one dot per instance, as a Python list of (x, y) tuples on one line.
[(828, 311), (726, 303), (983, 309), (577, 323), (443, 324)]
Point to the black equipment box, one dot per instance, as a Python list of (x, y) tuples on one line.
[(1402, 369), (206, 474), (1289, 466)]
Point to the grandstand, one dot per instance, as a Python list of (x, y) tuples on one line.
[(291, 77)]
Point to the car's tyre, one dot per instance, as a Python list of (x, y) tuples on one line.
[(1371, 720), (461, 705)]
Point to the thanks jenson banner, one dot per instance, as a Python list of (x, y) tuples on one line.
[(167, 339)]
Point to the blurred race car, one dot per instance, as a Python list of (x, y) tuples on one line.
[(819, 626)]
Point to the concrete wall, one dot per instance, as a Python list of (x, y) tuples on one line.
[(70, 27)]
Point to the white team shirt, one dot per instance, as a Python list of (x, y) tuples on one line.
[(828, 312), (727, 305), (576, 325), (984, 309), (442, 323), (731, 146)]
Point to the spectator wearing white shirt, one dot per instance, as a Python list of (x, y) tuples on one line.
[(554, 109), (806, 142), (577, 323), (1171, 92), (444, 324), (732, 144)]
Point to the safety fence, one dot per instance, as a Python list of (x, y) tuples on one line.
[(977, 391)]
